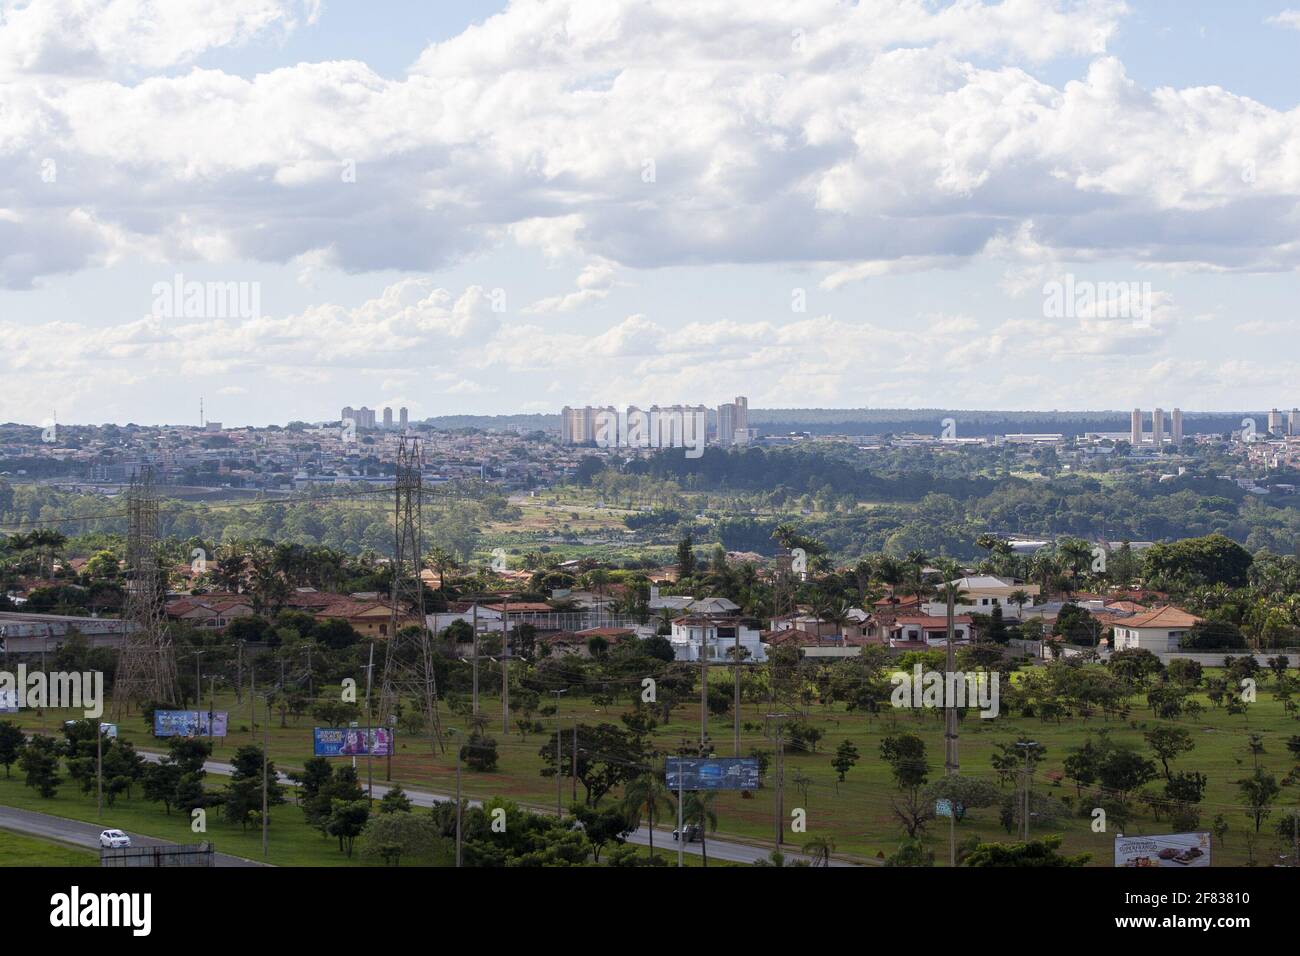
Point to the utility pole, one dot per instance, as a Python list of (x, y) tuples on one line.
[(198, 680), (735, 720), (505, 666), (704, 688), (370, 743), (212, 706), (266, 759), (950, 723), (573, 773), (99, 767), (458, 812), (681, 800), (779, 801), (475, 656), (1025, 748), (559, 763)]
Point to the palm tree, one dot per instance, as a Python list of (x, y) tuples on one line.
[(442, 561), (646, 793), (1019, 597), (698, 810), (820, 848)]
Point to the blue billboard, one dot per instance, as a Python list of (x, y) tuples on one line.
[(712, 773), (188, 723), (351, 742)]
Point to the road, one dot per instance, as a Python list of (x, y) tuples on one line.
[(85, 834), (731, 851)]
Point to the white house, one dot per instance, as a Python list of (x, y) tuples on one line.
[(714, 639), (1158, 631), (985, 592)]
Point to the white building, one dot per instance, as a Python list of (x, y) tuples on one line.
[(1158, 631), (983, 593), (697, 638)]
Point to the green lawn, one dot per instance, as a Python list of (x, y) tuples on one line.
[(292, 842), (17, 849), (855, 814)]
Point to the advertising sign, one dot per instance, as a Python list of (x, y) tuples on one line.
[(108, 730), (1167, 849), (188, 723), (351, 742), (712, 773)]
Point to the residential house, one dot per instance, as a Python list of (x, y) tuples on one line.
[(697, 637), (1158, 631)]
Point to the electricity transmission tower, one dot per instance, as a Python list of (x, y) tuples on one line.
[(408, 660), (146, 669)]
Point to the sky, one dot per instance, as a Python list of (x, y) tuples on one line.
[(282, 207)]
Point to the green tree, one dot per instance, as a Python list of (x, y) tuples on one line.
[(699, 810), (347, 821), (846, 756), (1259, 790), (11, 744), (646, 793), (1035, 853)]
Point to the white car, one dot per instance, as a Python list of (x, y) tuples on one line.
[(113, 839)]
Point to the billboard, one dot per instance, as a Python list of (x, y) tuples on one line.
[(1166, 849), (351, 742), (712, 773), (108, 730), (188, 723)]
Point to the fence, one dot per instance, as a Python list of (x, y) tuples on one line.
[(196, 854)]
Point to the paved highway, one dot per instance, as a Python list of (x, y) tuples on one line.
[(85, 834), (719, 849)]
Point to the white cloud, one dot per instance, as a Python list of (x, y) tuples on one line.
[(1287, 18), (594, 284), (70, 38), (869, 145)]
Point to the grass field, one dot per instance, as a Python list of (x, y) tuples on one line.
[(855, 814), (292, 842), (16, 849)]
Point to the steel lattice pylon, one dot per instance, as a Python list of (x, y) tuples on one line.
[(408, 659), (146, 667)]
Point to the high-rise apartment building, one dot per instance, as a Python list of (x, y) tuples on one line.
[(1176, 426), (388, 417), (1275, 422), (1158, 427), (1135, 428), (402, 418), (578, 425), (733, 421)]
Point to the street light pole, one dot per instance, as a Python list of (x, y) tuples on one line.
[(370, 775), (266, 759), (99, 766)]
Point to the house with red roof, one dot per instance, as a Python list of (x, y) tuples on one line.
[(1158, 631)]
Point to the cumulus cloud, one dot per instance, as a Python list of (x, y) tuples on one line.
[(72, 38), (862, 137)]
